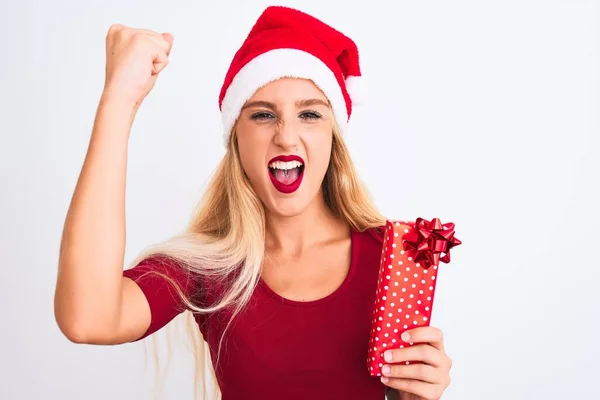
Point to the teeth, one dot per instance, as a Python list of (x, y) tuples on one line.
[(285, 165)]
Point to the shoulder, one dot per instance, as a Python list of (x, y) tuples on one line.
[(369, 239), (375, 235), (156, 264), (157, 272)]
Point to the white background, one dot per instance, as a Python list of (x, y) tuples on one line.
[(483, 113)]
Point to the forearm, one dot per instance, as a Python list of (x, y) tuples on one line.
[(93, 243)]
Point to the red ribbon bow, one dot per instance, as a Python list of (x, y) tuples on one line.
[(429, 240)]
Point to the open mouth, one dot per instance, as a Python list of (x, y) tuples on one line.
[(286, 172)]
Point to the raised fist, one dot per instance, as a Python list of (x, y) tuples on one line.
[(134, 58)]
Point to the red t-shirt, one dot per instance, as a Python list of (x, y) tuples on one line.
[(282, 349)]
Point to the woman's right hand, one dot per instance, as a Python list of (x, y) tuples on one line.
[(134, 59)]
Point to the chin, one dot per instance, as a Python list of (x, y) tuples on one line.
[(287, 207), (289, 204)]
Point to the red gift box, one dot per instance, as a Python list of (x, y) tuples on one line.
[(408, 273)]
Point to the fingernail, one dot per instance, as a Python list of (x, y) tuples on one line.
[(384, 379), (388, 356), (405, 336), (386, 370)]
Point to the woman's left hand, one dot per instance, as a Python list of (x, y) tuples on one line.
[(425, 381)]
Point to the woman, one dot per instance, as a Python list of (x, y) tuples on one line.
[(280, 262)]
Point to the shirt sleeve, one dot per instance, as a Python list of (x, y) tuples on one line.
[(153, 276)]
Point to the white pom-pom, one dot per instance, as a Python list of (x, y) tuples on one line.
[(355, 86)]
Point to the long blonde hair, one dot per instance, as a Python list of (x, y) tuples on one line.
[(226, 236)]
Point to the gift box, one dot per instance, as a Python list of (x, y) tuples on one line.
[(408, 271)]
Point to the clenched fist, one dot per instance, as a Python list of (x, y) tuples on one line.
[(134, 58)]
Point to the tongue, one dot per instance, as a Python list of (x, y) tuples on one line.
[(286, 177)]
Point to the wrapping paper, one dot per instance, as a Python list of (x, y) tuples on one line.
[(408, 272)]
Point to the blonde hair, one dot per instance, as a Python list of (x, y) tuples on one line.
[(226, 236)]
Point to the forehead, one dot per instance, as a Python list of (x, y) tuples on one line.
[(289, 89)]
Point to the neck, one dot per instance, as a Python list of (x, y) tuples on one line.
[(294, 234)]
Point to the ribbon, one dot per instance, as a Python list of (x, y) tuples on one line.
[(429, 240)]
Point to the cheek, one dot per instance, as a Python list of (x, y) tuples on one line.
[(252, 152), (250, 164), (320, 154)]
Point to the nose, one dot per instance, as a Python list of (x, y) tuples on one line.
[(287, 135)]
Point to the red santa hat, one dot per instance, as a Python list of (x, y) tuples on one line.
[(285, 42)]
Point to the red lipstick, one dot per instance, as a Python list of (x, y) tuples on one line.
[(292, 187), (286, 158)]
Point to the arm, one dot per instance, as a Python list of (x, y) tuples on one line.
[(93, 302)]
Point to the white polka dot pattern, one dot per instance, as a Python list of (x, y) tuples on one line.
[(405, 292)]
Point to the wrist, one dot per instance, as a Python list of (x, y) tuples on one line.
[(114, 117), (117, 107), (112, 98)]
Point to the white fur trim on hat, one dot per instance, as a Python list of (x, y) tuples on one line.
[(275, 64), (355, 86)]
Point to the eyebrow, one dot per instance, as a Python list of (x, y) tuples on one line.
[(273, 106)]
